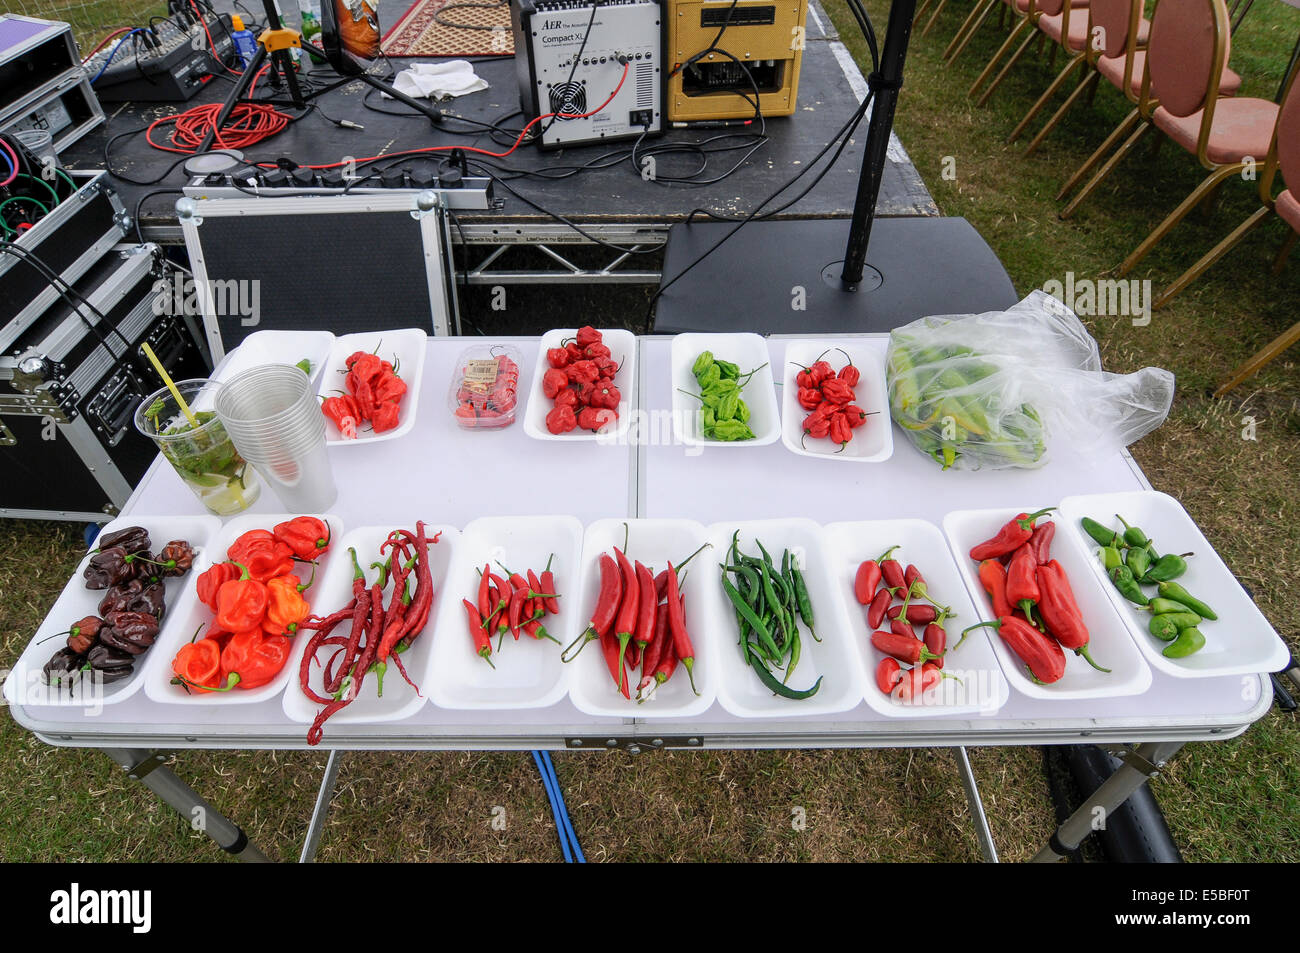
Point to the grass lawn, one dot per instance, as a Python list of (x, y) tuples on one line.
[(1232, 800)]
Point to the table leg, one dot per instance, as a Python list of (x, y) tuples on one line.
[(323, 799), (982, 832), (1140, 764), (147, 767)]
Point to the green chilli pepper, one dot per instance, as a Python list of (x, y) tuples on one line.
[(1167, 568), (727, 407), (1111, 558), (1189, 640), (1102, 534), (769, 680), (711, 375), (1128, 587), (732, 430), (1138, 561), (729, 371), (1166, 627), (1171, 590), (1162, 606), (702, 364), (805, 603), (1133, 535)]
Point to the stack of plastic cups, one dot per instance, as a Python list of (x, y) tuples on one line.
[(272, 415)]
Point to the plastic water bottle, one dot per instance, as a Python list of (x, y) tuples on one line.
[(245, 45), (309, 10)]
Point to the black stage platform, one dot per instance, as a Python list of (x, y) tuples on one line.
[(828, 94)]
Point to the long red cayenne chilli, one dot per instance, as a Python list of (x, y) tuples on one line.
[(646, 606), (626, 621), (677, 626), (482, 642), (309, 655), (602, 617), (614, 660), (654, 651), (359, 615)]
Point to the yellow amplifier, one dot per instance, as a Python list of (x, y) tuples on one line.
[(765, 36)]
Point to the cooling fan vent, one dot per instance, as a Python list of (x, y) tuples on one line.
[(568, 100)]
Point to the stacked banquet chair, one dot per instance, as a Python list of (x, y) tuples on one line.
[(1046, 19), (1183, 74), (1283, 157), (1180, 98)]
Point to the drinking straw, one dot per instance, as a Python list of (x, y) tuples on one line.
[(180, 401)]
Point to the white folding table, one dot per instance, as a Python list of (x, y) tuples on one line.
[(443, 474)]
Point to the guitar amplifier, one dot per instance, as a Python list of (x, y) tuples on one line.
[(592, 67), (766, 36)]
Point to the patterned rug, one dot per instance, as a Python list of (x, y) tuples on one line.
[(417, 33)]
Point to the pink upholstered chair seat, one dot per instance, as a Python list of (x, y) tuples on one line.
[(1112, 70), (1241, 128)]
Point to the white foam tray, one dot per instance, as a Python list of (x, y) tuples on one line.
[(982, 688), (653, 542), (622, 346), (1110, 643), (759, 394), (399, 700), (873, 442), (192, 614), (1240, 642), (528, 673), (835, 657), (405, 348), (25, 686)]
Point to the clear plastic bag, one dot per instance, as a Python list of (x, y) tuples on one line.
[(484, 392), (985, 391)]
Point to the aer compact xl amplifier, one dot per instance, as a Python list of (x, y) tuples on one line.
[(593, 69)]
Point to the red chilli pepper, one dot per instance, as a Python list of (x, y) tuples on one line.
[(892, 571), (868, 577), (888, 674), (682, 647), (654, 651), (905, 648), (993, 577), (1061, 612), (1041, 542), (1022, 585), (614, 660), (879, 606), (646, 606), (625, 624), (548, 585), (899, 627), (1014, 534), (607, 601), (1042, 655), (936, 640), (917, 614), (482, 641)]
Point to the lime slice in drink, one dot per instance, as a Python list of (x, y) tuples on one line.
[(208, 479)]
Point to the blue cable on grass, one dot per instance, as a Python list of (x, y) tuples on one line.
[(563, 825), (128, 36)]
